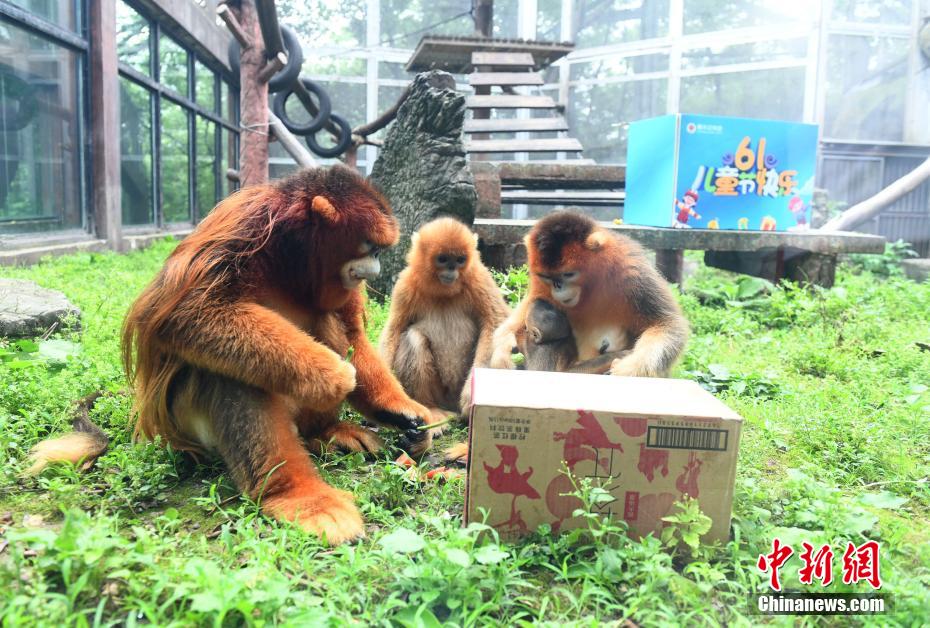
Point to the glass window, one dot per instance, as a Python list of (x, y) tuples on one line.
[(403, 21), (205, 86), (175, 163), (389, 70), (229, 149), (615, 66), (549, 20), (872, 11), (335, 66), (172, 62), (701, 16), (598, 23), (866, 88), (40, 143), (506, 18), (326, 23), (136, 154), (599, 115), (133, 39), (771, 50), (59, 12), (774, 94), (206, 166)]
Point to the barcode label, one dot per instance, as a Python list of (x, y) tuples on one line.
[(687, 438)]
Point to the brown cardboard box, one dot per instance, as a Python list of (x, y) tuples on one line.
[(650, 440)]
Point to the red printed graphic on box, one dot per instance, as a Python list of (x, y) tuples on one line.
[(652, 459), (584, 442), (631, 505), (687, 482), (634, 428), (506, 479)]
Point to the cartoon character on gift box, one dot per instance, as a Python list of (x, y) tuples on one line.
[(799, 210), (742, 224), (685, 209), (713, 224), (768, 224)]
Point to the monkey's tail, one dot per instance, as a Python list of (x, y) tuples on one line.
[(85, 444)]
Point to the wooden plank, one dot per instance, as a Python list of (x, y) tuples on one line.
[(500, 231), (523, 146), (505, 78), (508, 59), (545, 162), (548, 197), (509, 101), (561, 175), (105, 123), (515, 125)]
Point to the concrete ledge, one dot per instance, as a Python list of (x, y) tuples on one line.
[(31, 255), (143, 240), (917, 269), (494, 231)]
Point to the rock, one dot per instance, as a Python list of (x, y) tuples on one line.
[(916, 269), (27, 309), (421, 167)]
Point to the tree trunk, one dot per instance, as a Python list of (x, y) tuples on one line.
[(253, 102)]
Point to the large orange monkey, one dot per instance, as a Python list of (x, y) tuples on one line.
[(238, 346), (444, 310), (614, 299)]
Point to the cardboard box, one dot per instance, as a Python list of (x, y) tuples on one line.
[(713, 172), (648, 441)]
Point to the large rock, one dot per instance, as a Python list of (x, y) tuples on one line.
[(27, 309), (917, 269), (421, 168)]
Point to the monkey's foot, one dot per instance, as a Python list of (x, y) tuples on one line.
[(329, 513), (457, 453), (346, 436)]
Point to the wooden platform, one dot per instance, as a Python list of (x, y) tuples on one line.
[(454, 54), (806, 257)]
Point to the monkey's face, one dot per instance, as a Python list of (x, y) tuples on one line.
[(448, 266), (365, 267), (565, 286)]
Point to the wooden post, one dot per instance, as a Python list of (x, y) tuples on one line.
[(104, 92), (484, 17), (670, 262), (253, 102)]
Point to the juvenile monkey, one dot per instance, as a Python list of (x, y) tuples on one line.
[(612, 296), (550, 346), (444, 309)]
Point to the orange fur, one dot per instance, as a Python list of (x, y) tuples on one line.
[(620, 291), (238, 344), (437, 332)]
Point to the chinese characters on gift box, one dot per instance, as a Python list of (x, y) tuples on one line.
[(859, 564), (748, 171)]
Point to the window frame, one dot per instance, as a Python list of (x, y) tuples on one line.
[(77, 43), (157, 90)]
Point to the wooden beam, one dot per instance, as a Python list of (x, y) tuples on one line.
[(572, 174), (272, 67), (568, 144), (510, 231), (232, 23), (291, 144), (508, 59), (505, 78), (506, 101), (549, 197), (105, 123), (253, 103), (514, 125)]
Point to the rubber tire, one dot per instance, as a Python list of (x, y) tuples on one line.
[(314, 125), (345, 140), (286, 76)]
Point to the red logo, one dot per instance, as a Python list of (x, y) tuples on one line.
[(859, 564)]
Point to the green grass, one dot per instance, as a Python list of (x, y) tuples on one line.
[(835, 448)]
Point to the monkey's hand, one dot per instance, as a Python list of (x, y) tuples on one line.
[(407, 416), (334, 380), (628, 367), (504, 348)]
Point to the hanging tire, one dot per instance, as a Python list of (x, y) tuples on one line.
[(286, 76), (278, 107), (345, 139)]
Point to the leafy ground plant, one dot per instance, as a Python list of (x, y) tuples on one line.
[(833, 386)]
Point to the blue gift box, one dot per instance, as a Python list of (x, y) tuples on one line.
[(714, 172)]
